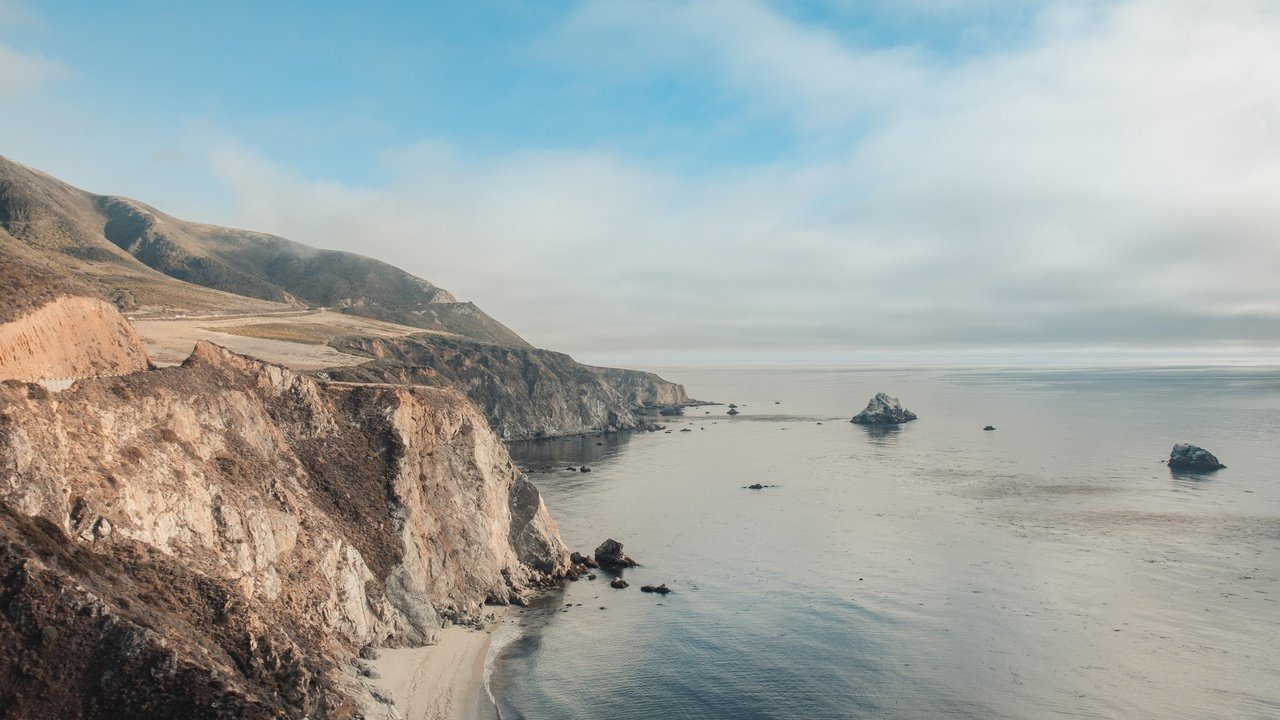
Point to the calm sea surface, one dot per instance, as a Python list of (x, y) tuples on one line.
[(1051, 568)]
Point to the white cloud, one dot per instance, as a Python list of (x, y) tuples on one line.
[(23, 72), (1113, 180)]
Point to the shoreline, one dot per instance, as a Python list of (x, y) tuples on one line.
[(445, 681)]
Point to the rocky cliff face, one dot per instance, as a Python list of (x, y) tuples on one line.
[(70, 337), (219, 539), (525, 393)]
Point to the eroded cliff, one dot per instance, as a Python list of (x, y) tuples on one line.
[(219, 539), (525, 393), (69, 337)]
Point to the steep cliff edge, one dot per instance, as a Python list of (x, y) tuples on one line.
[(70, 337), (525, 393), (219, 539)]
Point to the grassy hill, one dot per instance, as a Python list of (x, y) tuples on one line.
[(58, 236)]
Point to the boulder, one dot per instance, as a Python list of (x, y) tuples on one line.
[(610, 555), (989, 427), (584, 468), (618, 583), (883, 410), (732, 412), (1189, 458)]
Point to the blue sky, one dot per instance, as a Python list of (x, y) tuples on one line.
[(710, 176)]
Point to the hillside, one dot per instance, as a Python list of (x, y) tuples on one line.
[(146, 261)]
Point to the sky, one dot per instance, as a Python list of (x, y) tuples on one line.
[(711, 179)]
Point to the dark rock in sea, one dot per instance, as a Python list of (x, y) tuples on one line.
[(584, 468), (777, 402), (574, 469), (1189, 458), (591, 576), (732, 406), (686, 430), (732, 412), (883, 410), (755, 486), (610, 555), (671, 410), (660, 589), (619, 583), (989, 427)]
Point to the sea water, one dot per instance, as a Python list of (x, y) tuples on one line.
[(1053, 567)]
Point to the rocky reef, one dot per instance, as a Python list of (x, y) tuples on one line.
[(525, 393), (1189, 458), (220, 539), (883, 410)]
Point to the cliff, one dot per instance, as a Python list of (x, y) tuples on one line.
[(220, 539), (69, 337), (525, 393)]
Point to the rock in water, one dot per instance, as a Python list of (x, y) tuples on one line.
[(1189, 458), (610, 555), (883, 410), (619, 584), (989, 428)]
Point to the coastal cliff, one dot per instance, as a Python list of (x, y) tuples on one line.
[(525, 393), (220, 539)]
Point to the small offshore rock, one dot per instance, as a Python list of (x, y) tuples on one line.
[(610, 555), (883, 410), (732, 412), (754, 486), (574, 469), (618, 583), (989, 427), (685, 430), (584, 468), (1190, 458)]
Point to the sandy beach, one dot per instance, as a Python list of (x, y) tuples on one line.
[(439, 682)]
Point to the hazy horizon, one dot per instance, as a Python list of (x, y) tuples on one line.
[(661, 182)]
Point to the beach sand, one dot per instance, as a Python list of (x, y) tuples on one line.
[(439, 682)]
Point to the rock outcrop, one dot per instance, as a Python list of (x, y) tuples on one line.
[(1190, 458), (883, 410), (70, 337), (525, 393), (220, 539), (610, 555)]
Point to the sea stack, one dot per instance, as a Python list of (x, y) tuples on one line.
[(610, 555), (1189, 458), (883, 410)]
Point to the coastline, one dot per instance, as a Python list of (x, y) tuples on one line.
[(445, 681)]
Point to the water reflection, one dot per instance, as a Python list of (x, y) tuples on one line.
[(558, 454), (882, 434)]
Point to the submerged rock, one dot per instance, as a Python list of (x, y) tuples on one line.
[(883, 410), (1190, 458), (660, 589), (989, 427), (610, 555)]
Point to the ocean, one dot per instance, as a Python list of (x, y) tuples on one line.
[(1051, 568)]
